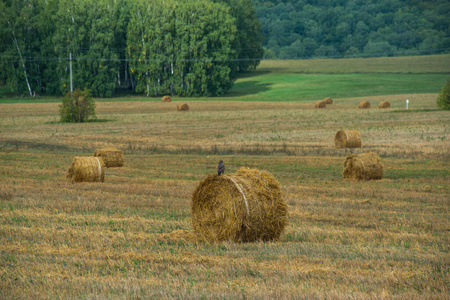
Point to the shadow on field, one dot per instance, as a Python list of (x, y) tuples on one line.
[(248, 88)]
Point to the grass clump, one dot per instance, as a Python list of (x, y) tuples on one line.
[(443, 100), (77, 107)]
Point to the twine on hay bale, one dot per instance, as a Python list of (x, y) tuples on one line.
[(364, 104), (384, 104), (110, 156), (89, 169), (243, 207), (166, 99), (328, 100), (182, 106), (320, 104), (366, 166), (347, 139)]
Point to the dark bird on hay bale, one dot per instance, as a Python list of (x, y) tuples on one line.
[(220, 168)]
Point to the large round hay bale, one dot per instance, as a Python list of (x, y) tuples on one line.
[(89, 169), (347, 139), (328, 100), (320, 104), (366, 166), (364, 104), (182, 106), (243, 207), (384, 104), (166, 99), (110, 156)]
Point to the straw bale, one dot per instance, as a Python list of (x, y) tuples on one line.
[(243, 207), (364, 104), (182, 106), (166, 99), (89, 169), (347, 139), (111, 157), (366, 166), (384, 104), (320, 104), (328, 100)]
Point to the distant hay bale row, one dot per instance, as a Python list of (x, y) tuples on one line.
[(111, 157), (320, 104), (166, 99), (182, 106), (384, 104), (243, 207), (366, 166), (347, 139), (364, 104), (89, 169)]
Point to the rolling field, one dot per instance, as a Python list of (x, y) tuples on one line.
[(131, 237)]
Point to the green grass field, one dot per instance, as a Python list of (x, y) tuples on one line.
[(131, 236)]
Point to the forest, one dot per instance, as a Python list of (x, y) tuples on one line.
[(353, 28), (197, 48)]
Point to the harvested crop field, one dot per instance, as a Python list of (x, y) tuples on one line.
[(131, 235)]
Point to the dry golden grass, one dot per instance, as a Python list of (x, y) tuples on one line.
[(130, 237)]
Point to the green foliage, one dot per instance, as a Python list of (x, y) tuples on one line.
[(443, 100), (77, 107), (348, 27), (182, 48)]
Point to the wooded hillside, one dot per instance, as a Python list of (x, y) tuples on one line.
[(348, 28)]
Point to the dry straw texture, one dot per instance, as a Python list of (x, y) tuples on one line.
[(384, 104), (364, 104), (328, 100), (110, 156), (366, 166), (243, 207), (182, 106), (347, 139), (166, 99), (89, 169), (320, 104)]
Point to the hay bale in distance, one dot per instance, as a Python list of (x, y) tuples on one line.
[(88, 169), (328, 100), (166, 99), (364, 104), (111, 157), (384, 104), (182, 106), (347, 139), (366, 166), (320, 104), (243, 207)]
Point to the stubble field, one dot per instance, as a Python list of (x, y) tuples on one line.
[(130, 237)]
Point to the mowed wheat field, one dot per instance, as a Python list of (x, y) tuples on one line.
[(131, 236)]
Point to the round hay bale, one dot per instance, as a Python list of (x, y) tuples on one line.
[(166, 99), (320, 104), (347, 139), (366, 166), (111, 157), (243, 207), (384, 104), (364, 104), (182, 106), (88, 169), (328, 100)]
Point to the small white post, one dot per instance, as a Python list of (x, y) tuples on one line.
[(407, 102)]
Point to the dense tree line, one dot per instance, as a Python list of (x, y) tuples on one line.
[(188, 48), (339, 28)]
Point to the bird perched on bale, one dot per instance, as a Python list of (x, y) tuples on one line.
[(220, 168)]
